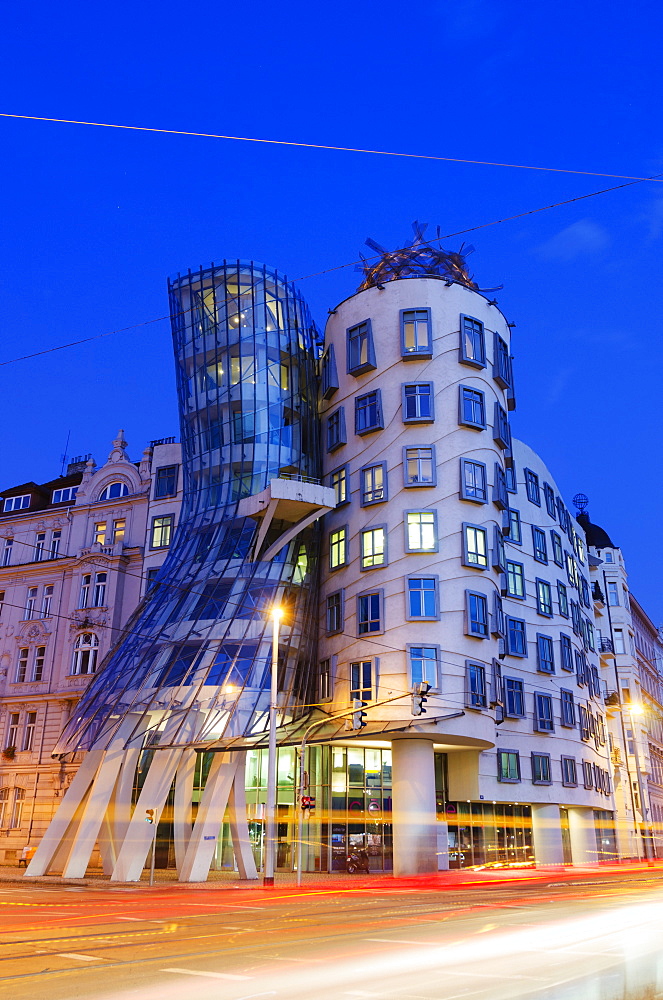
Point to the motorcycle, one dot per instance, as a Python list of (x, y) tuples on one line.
[(357, 861)]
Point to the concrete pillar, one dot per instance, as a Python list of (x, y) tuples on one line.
[(547, 834), (583, 836), (414, 817), (442, 846)]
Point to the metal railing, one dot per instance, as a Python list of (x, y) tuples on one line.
[(605, 645)]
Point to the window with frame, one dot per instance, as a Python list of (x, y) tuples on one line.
[(421, 597), (369, 613), (566, 653), (56, 538), (539, 546), (338, 553), (336, 435), (581, 668), (100, 533), (613, 594), (419, 466), (114, 491), (22, 666), (368, 412), (508, 765), (557, 550), (361, 352), (476, 614), (516, 636), (361, 680), (416, 333), (497, 623), (338, 480), (38, 659), (373, 551), (17, 809), (511, 484), (475, 546), (473, 481), (421, 531), (334, 612), (165, 483), (12, 729), (328, 373), (584, 591), (4, 801), (532, 487), (2, 602), (46, 600), (84, 660), (543, 712), (515, 530), (422, 663), (514, 697), (65, 494), (324, 680), (499, 549), (17, 503), (545, 654), (496, 686), (584, 723), (544, 604), (418, 402), (99, 593), (472, 408), (569, 774), (7, 551), (475, 679), (500, 495), (549, 498), (29, 730), (472, 342), (30, 604), (562, 599), (587, 774), (373, 480), (84, 594), (162, 530), (541, 770), (40, 545), (568, 709), (119, 529), (501, 429), (502, 372), (515, 579)]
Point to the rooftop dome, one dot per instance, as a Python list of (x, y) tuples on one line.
[(596, 536)]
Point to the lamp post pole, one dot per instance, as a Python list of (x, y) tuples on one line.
[(270, 819)]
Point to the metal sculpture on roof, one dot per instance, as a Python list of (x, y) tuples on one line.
[(419, 259)]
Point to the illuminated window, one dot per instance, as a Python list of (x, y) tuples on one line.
[(373, 484), (338, 548), (119, 527), (416, 336), (421, 531), (475, 546), (508, 765), (338, 481), (162, 529), (100, 533), (372, 546)]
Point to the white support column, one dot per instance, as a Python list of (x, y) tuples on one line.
[(182, 805), (414, 815), (547, 835), (117, 817), (64, 825), (239, 824), (582, 833), (442, 846), (211, 811), (138, 838)]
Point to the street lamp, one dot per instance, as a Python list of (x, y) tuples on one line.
[(270, 819), (638, 710)]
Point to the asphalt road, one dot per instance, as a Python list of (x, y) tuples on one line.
[(592, 938)]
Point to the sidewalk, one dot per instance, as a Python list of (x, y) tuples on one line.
[(458, 879)]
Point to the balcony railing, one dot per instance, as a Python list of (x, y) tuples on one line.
[(605, 645)]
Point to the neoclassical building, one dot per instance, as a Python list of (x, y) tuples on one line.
[(76, 555), (442, 674)]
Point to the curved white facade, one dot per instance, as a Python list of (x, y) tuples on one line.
[(415, 583)]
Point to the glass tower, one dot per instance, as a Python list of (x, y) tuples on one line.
[(193, 663)]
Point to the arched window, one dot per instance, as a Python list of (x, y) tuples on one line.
[(4, 799), (85, 654), (17, 811), (113, 491)]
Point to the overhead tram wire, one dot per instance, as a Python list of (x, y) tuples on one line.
[(352, 263), (329, 148)]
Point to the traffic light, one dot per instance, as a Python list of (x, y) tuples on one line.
[(308, 801), (419, 692), (150, 815), (358, 713)]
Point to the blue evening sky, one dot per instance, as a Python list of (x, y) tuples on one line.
[(93, 220)]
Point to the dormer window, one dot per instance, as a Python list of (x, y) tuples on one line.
[(64, 495), (113, 491), (17, 503)]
